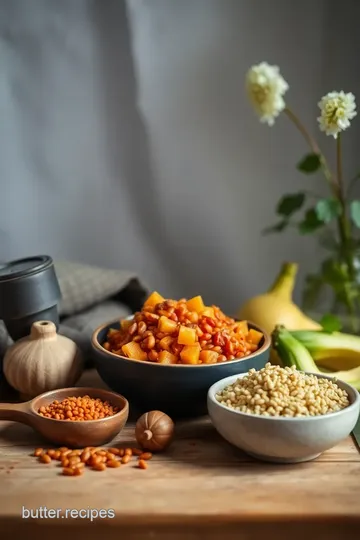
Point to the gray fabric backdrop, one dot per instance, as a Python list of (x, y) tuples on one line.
[(126, 140)]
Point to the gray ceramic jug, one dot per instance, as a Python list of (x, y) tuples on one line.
[(29, 292)]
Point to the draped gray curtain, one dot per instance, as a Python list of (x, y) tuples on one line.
[(126, 139)]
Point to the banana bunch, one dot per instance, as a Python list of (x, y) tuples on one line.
[(310, 350)]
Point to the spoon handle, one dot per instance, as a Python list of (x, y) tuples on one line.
[(16, 412)]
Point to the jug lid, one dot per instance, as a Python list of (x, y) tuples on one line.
[(24, 267)]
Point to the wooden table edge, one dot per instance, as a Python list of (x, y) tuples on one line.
[(223, 527), (198, 520)]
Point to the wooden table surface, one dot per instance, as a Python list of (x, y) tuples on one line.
[(201, 488)]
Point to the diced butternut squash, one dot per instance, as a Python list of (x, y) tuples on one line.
[(254, 336), (208, 357), (195, 304), (242, 328), (165, 357), (154, 298), (134, 351), (167, 326), (166, 342), (187, 336), (125, 324), (208, 312), (190, 354)]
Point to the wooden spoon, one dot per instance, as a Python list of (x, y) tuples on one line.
[(73, 434)]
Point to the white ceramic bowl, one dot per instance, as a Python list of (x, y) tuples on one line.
[(282, 440)]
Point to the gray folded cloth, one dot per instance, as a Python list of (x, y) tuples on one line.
[(90, 296), (80, 327), (83, 286)]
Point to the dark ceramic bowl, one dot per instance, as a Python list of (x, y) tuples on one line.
[(178, 390)]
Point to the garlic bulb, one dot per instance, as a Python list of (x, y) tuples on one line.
[(42, 361)]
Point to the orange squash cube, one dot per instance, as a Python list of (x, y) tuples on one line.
[(242, 328), (167, 326), (166, 342), (195, 304), (208, 312), (166, 357), (190, 354), (254, 336), (187, 336), (208, 357), (154, 298), (134, 351)]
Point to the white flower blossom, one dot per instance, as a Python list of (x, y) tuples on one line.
[(265, 87), (337, 109)]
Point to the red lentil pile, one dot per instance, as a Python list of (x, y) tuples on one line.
[(78, 409), (73, 462), (182, 332)]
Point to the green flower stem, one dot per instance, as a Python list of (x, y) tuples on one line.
[(313, 145), (343, 221), (309, 139), (344, 230), (341, 190), (342, 225), (337, 187)]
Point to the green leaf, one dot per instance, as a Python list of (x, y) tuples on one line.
[(330, 323), (328, 209), (278, 227), (290, 204), (309, 164), (334, 273), (310, 223), (355, 212)]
